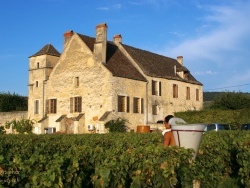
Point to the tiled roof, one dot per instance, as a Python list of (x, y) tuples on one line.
[(47, 50), (156, 65), (105, 115), (117, 63), (60, 118), (152, 64)]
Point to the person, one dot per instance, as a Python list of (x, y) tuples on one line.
[(168, 134)]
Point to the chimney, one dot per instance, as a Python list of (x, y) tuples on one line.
[(100, 47), (67, 36), (180, 59), (117, 39)]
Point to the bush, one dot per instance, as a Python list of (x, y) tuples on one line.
[(231, 101), (118, 125), (22, 126), (2, 130)]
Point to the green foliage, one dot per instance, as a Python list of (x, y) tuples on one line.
[(2, 130), (231, 101), (118, 125), (21, 126), (223, 159), (122, 160), (233, 117), (13, 102)]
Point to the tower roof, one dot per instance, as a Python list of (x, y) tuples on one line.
[(47, 50)]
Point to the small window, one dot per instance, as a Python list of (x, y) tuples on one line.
[(36, 107), (188, 93), (154, 110), (175, 91), (123, 103), (51, 106), (138, 105), (37, 65), (75, 104), (76, 81), (156, 88), (36, 83)]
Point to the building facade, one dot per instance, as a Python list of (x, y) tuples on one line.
[(95, 80)]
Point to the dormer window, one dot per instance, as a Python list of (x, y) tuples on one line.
[(186, 75)]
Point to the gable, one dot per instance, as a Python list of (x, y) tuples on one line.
[(117, 63)]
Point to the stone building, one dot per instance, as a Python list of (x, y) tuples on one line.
[(94, 80)]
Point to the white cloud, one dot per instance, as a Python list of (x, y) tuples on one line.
[(177, 34), (228, 28), (219, 46), (209, 72), (103, 8)]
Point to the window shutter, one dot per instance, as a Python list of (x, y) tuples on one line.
[(55, 107), (142, 105), (47, 107), (159, 88), (153, 87), (71, 104), (80, 104), (128, 104)]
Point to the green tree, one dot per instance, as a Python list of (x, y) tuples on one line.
[(118, 125), (13, 102), (22, 126), (231, 101)]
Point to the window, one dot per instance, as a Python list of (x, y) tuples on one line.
[(197, 95), (37, 65), (154, 109), (156, 88), (175, 91), (75, 104), (36, 83), (123, 103), (76, 81), (188, 93), (51, 106), (138, 105), (36, 107)]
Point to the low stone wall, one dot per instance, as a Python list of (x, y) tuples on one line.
[(9, 116)]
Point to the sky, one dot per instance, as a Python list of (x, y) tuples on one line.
[(212, 36)]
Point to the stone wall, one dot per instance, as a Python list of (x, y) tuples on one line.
[(9, 116)]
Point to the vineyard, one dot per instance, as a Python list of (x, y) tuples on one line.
[(122, 160)]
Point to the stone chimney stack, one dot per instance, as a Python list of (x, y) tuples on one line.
[(180, 59), (117, 39), (67, 36), (100, 47)]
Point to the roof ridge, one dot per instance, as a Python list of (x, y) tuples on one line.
[(48, 49)]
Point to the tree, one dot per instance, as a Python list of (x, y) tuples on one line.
[(118, 125), (231, 101), (22, 126), (13, 102)]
